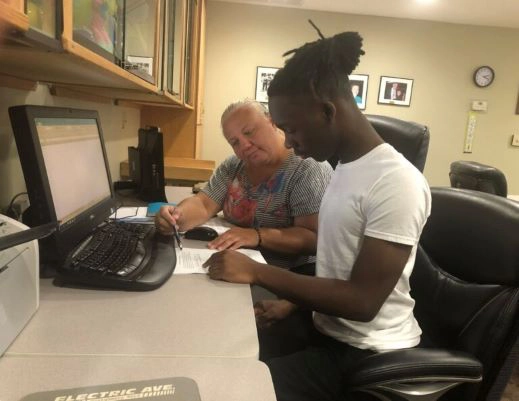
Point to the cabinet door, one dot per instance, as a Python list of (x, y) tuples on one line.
[(98, 26), (43, 17), (141, 39), (190, 51), (173, 46)]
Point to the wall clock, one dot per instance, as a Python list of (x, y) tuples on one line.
[(484, 76)]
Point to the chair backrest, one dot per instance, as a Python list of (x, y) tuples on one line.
[(409, 138), (477, 176), (466, 283)]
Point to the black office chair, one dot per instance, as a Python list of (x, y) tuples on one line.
[(477, 176), (466, 286), (409, 138)]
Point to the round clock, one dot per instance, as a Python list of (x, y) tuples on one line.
[(483, 76)]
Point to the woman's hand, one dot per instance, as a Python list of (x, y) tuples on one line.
[(235, 238), (272, 311), (167, 218)]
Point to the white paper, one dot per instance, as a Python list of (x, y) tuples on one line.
[(132, 214), (190, 260)]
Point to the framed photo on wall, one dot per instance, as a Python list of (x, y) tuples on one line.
[(359, 88), (263, 77), (396, 91)]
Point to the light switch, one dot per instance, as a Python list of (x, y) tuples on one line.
[(479, 105), (515, 140)]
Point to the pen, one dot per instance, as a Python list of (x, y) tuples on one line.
[(175, 232)]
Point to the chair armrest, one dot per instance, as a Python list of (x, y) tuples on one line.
[(415, 364)]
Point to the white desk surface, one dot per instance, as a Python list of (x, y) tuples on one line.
[(514, 197), (192, 326), (189, 316), (218, 379)]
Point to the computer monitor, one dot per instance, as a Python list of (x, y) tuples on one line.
[(66, 173)]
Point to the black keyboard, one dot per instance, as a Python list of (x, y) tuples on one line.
[(121, 255)]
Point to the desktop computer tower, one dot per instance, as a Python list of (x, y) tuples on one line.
[(146, 163)]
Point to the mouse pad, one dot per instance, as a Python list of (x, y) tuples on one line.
[(154, 207), (168, 389)]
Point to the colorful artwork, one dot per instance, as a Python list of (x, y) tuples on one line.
[(97, 21)]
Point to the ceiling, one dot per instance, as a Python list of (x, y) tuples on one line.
[(498, 13)]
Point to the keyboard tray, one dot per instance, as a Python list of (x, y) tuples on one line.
[(159, 269)]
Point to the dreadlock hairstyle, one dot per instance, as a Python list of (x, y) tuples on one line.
[(319, 68)]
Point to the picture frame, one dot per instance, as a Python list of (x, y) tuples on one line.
[(395, 91), (359, 89), (263, 77), (143, 64)]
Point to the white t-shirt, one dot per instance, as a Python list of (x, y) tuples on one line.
[(380, 195)]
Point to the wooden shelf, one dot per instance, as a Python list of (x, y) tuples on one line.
[(180, 168), (152, 99), (67, 68)]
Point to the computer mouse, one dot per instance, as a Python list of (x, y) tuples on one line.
[(201, 233)]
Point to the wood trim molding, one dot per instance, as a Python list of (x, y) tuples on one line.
[(71, 93), (7, 81)]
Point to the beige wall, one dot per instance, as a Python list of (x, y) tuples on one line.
[(120, 125), (439, 57)]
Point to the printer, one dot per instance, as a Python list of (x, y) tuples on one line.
[(19, 282)]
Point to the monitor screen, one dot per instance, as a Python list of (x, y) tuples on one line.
[(73, 158), (66, 172)]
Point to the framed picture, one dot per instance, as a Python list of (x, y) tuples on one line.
[(263, 77), (144, 64), (395, 91), (359, 88)]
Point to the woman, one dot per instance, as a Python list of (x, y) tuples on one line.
[(268, 192), (370, 220)]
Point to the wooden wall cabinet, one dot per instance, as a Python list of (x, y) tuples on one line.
[(169, 93), (182, 127)]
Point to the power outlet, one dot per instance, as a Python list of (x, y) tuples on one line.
[(515, 140)]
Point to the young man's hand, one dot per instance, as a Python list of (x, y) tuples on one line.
[(271, 311), (232, 266)]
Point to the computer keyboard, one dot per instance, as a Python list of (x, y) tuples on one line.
[(121, 255)]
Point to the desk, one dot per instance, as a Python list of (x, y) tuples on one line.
[(218, 379), (192, 326), (190, 315)]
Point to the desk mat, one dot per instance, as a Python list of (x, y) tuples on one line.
[(167, 389)]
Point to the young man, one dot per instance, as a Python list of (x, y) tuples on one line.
[(370, 220)]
